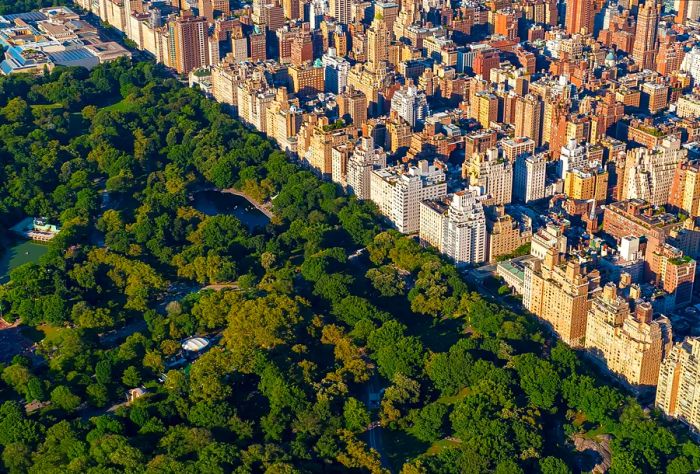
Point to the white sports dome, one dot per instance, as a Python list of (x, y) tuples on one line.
[(195, 344)]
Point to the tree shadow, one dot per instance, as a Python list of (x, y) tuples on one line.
[(588, 459)]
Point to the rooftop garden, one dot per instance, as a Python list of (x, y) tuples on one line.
[(337, 125), (680, 260)]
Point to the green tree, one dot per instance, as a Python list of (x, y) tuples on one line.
[(428, 422), (538, 379), (553, 465), (64, 399), (356, 415), (103, 371), (131, 377), (387, 280)]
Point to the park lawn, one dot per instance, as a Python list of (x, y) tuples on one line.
[(451, 400), (439, 445), (437, 335), (39, 333), (594, 433), (123, 105), (46, 106)]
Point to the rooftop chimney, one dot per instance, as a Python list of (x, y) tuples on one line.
[(645, 312), (610, 292), (625, 280), (635, 292)]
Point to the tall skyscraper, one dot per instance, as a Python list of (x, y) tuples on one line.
[(560, 293), (529, 180), (528, 118), (189, 35), (410, 104), (340, 10), (644, 49), (465, 236), (352, 106), (686, 10), (484, 108), (579, 16), (675, 274), (257, 44), (292, 9), (493, 175), (649, 174), (398, 191), (377, 44), (685, 190), (336, 71), (678, 389), (456, 226), (364, 159), (206, 9)]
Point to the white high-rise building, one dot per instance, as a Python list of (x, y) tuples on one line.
[(678, 388), (398, 192), (410, 104), (336, 71), (456, 226), (530, 174), (317, 8), (364, 159), (648, 174), (466, 229), (572, 156), (691, 62)]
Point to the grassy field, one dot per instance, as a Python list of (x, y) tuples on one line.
[(122, 106), (442, 444), (454, 398)]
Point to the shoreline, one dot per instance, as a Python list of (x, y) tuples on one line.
[(260, 207)]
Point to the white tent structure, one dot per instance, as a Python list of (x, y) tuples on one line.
[(195, 344)]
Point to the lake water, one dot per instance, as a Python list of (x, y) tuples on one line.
[(213, 203), (18, 253)]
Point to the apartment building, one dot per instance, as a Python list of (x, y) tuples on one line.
[(456, 226), (625, 337), (398, 191), (560, 293), (678, 388), (365, 158), (530, 172)]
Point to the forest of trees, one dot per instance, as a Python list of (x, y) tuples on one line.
[(470, 386), (8, 7)]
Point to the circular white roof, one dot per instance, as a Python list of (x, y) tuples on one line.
[(195, 344)]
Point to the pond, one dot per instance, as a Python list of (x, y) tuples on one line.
[(213, 203), (18, 253)]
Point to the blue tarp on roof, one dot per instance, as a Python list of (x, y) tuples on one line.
[(16, 53), (5, 67), (72, 55), (28, 16)]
